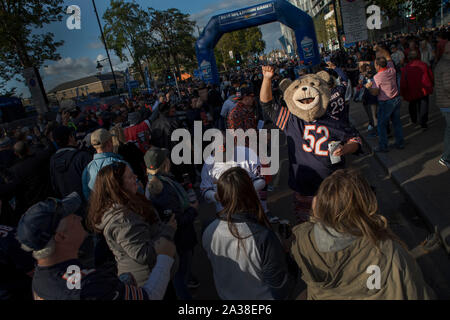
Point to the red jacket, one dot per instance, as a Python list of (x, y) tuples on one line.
[(417, 80), (140, 135)]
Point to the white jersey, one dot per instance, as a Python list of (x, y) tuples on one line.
[(212, 171)]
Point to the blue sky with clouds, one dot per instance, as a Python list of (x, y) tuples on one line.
[(83, 47)]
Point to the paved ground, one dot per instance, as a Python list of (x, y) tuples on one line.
[(404, 219), (416, 169)]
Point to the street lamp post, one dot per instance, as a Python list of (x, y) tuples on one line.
[(99, 67), (176, 82), (106, 47)]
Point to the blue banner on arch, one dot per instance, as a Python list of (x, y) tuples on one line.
[(278, 10)]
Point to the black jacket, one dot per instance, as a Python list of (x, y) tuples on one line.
[(7, 158), (164, 196), (135, 158), (162, 129), (66, 168), (32, 180)]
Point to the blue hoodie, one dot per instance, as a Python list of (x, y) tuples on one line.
[(90, 172)]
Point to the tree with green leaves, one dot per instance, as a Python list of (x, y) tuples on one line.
[(20, 48), (123, 31), (171, 40), (247, 42), (161, 39), (321, 29)]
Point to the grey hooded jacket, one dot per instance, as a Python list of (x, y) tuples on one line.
[(131, 240)]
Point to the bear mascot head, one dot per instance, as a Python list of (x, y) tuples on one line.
[(307, 97)]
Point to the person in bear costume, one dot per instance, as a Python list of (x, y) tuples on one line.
[(311, 115)]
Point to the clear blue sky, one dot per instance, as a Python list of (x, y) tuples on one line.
[(82, 47)]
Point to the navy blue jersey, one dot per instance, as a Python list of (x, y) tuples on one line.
[(308, 142), (56, 283), (336, 107)]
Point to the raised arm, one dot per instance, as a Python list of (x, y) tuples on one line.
[(266, 87)]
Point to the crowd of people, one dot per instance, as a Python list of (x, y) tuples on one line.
[(93, 207), (403, 66)]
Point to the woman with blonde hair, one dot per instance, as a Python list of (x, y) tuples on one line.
[(347, 250)]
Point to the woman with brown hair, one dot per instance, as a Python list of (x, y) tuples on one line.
[(347, 250), (248, 259), (127, 220)]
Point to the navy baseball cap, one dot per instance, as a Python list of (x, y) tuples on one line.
[(155, 157), (38, 225)]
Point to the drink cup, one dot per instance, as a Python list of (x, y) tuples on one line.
[(332, 146)]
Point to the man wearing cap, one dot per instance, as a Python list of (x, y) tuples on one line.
[(54, 234), (67, 164), (101, 140)]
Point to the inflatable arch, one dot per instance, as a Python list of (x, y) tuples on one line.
[(278, 10)]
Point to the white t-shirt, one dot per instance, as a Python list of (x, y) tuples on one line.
[(243, 157)]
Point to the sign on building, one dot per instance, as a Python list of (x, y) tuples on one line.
[(354, 20)]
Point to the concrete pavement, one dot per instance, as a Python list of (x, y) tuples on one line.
[(415, 169), (402, 215)]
